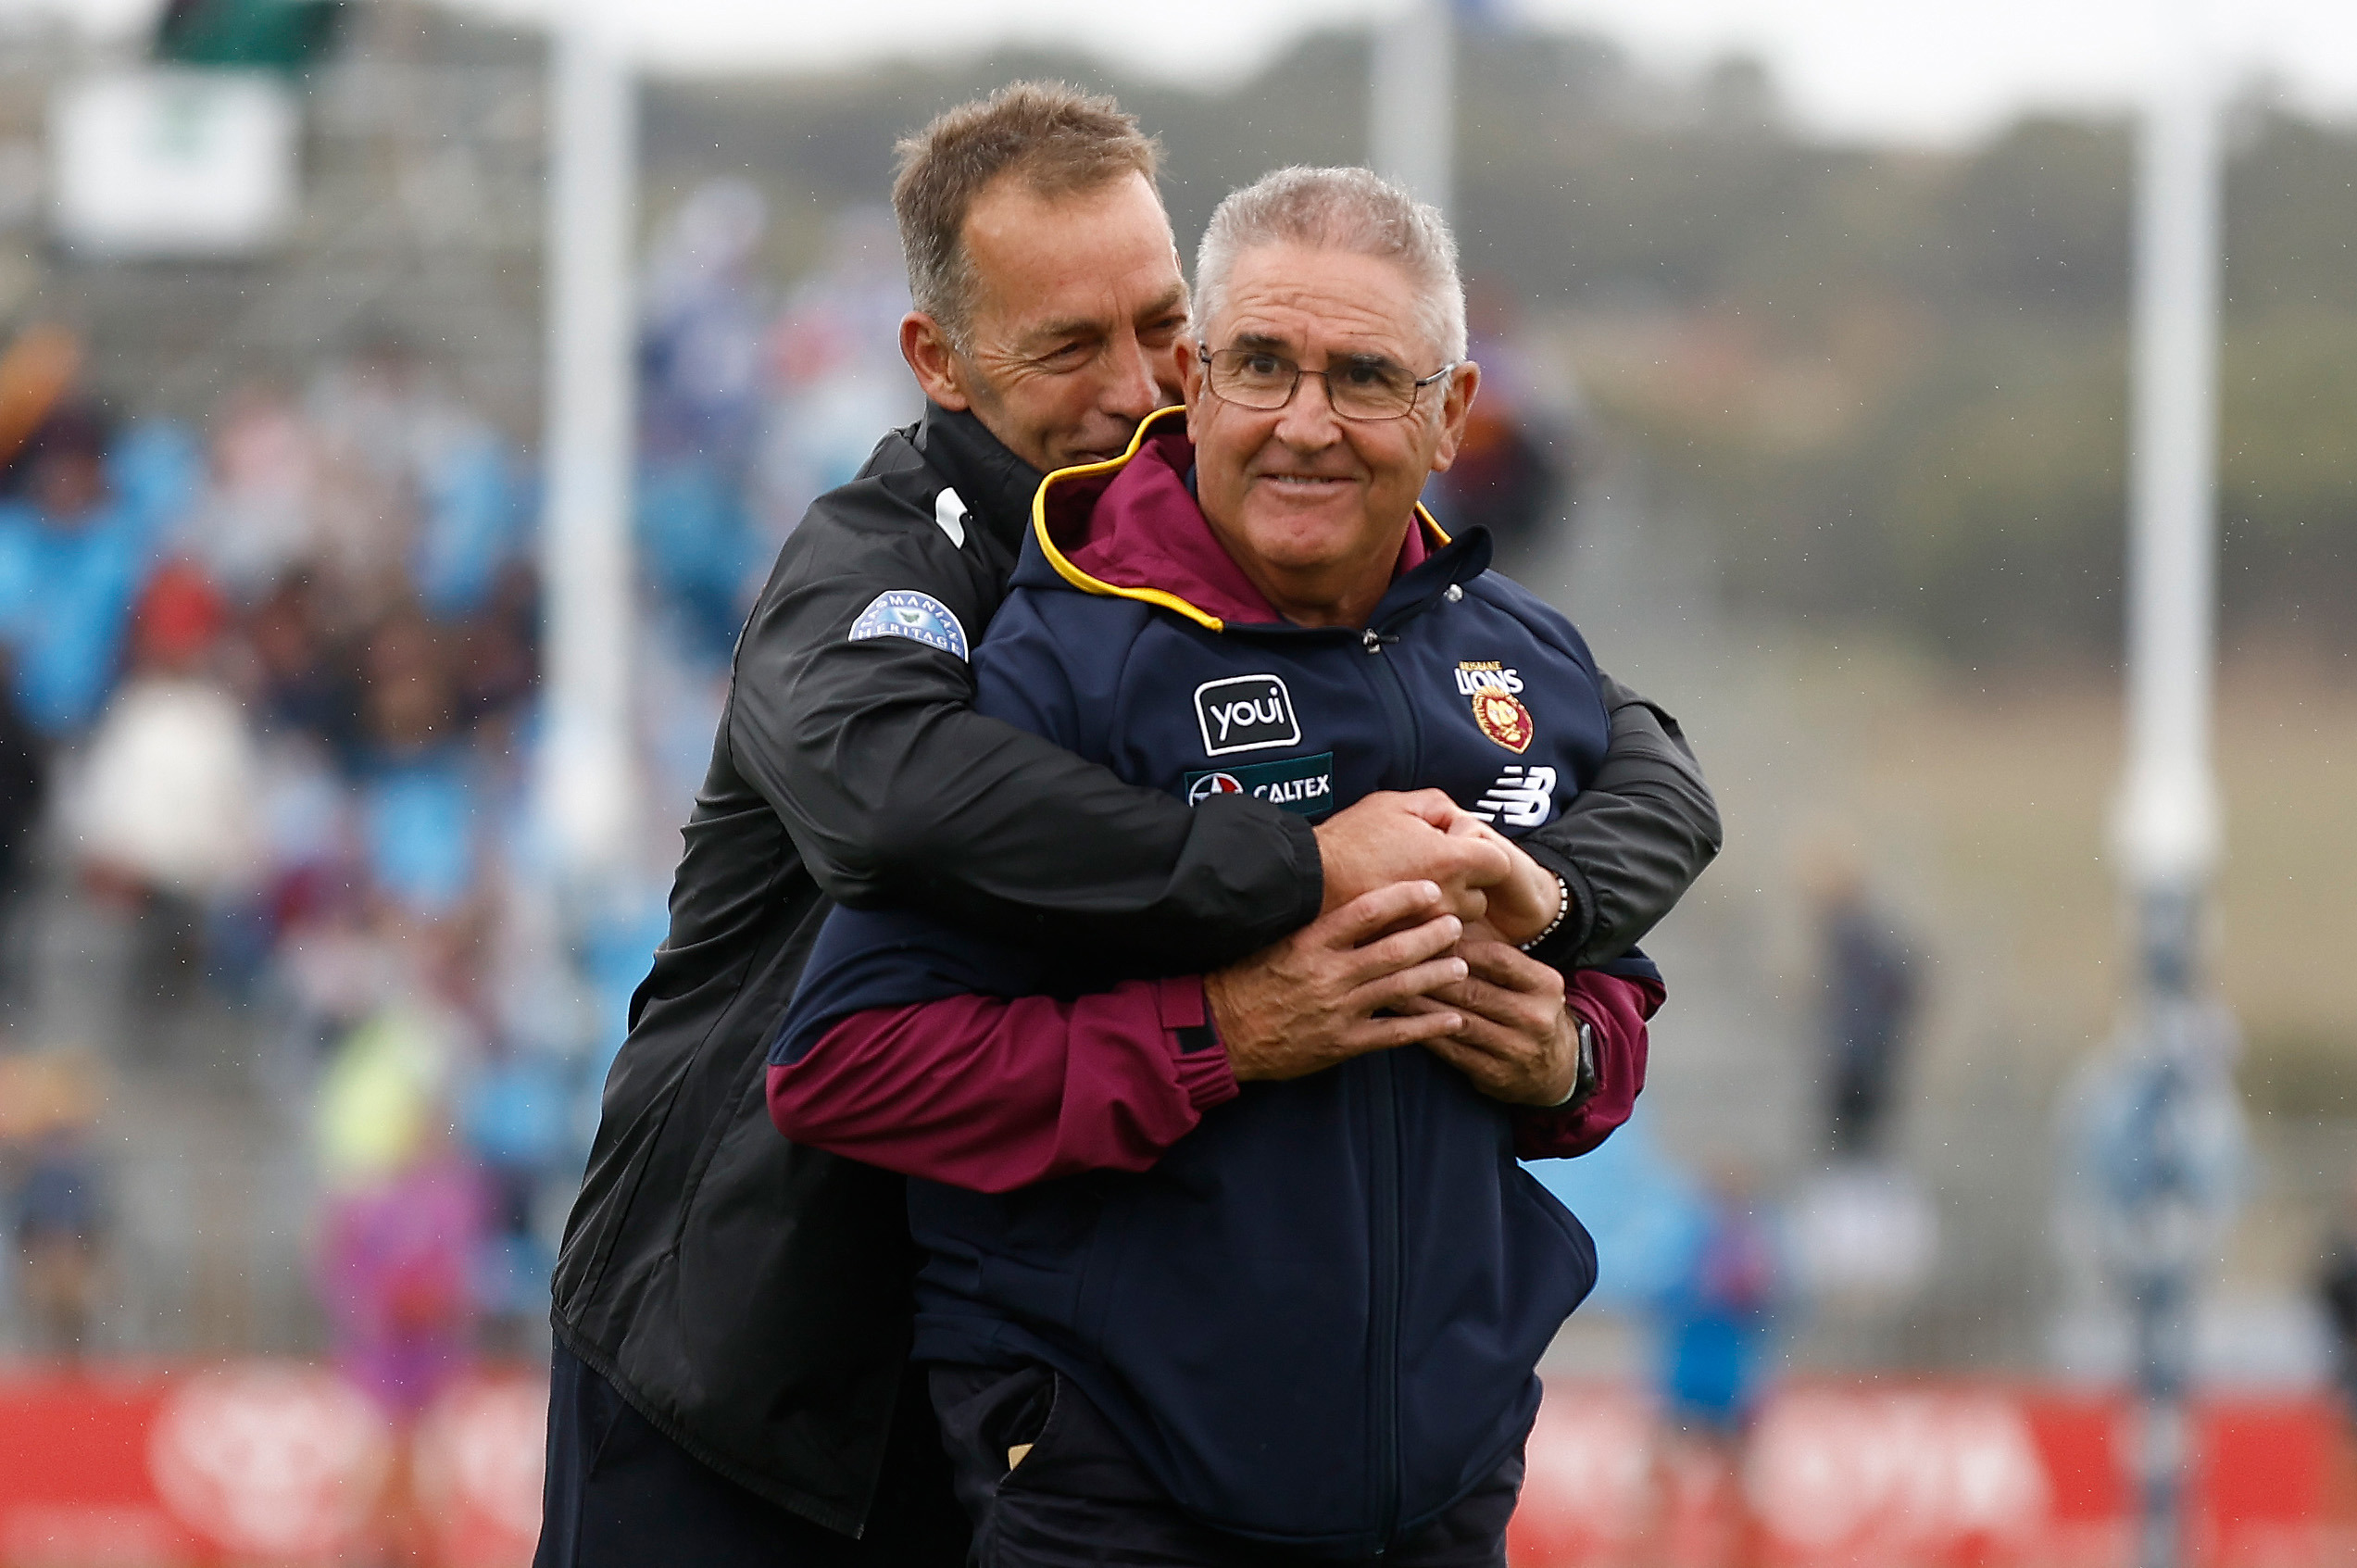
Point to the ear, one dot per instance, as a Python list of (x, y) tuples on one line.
[(1190, 377), (925, 346), (1462, 383)]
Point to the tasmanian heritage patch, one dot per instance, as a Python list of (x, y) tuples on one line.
[(921, 618), (1298, 783)]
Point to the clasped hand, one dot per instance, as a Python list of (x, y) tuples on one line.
[(1412, 949)]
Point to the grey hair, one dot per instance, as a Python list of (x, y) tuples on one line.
[(1345, 209)]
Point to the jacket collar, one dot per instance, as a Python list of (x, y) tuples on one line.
[(1131, 527), (996, 485)]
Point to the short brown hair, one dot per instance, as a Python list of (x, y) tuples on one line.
[(1060, 140)]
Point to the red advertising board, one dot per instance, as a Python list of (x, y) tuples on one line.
[(279, 1463), (1949, 1475), (262, 1463)]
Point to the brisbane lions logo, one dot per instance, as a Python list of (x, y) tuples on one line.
[(1504, 719)]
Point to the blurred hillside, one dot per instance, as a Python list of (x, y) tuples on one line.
[(1891, 381)]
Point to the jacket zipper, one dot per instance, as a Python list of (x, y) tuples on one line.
[(1385, 1250), (1385, 1243)]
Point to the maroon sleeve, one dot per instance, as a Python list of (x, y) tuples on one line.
[(1616, 1010), (992, 1094)]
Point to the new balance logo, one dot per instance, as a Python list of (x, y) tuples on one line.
[(1522, 797)]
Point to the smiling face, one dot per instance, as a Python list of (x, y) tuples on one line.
[(1313, 506), (1078, 300)]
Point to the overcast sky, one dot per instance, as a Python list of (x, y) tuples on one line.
[(1919, 69)]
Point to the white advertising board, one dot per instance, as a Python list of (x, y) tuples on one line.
[(162, 163)]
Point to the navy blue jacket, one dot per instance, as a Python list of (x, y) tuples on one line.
[(1317, 1318)]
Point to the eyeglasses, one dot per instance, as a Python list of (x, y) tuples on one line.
[(1356, 389)]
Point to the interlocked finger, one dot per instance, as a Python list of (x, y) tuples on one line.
[(1432, 1029), (1398, 987), (1371, 914), (1403, 950)]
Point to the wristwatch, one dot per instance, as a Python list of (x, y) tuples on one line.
[(1584, 1080)]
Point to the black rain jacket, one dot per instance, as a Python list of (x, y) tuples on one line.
[(751, 1297)]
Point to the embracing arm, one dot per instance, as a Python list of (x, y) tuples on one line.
[(926, 1052), (894, 790), (1631, 843), (992, 1094)]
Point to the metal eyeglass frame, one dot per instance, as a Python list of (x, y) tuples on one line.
[(1415, 388)]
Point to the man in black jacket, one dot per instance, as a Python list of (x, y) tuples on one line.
[(732, 1310)]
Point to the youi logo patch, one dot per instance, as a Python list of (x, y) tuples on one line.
[(1246, 714)]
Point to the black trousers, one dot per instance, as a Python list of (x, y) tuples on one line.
[(621, 1494), (1078, 1499)]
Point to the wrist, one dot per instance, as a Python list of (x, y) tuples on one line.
[(1583, 1065), (1563, 894)]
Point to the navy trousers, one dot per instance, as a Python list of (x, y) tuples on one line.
[(1079, 1499), (621, 1494)]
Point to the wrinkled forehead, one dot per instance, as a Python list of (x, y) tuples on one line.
[(1305, 300), (1013, 225)]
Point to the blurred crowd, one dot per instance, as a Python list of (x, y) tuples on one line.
[(266, 711), (269, 707)]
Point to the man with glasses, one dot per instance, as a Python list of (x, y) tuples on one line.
[(1205, 1278), (731, 1378)]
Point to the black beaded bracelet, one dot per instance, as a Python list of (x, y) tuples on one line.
[(1562, 908)]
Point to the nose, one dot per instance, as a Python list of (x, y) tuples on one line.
[(1131, 390), (1308, 421)]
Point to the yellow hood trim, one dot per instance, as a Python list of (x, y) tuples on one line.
[(1087, 584)]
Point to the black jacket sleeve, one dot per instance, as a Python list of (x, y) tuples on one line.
[(1632, 842), (896, 791)]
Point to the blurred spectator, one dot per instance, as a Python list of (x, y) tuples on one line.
[(2337, 1292), (417, 795), (166, 803), (700, 406), (1514, 469), (419, 499), (60, 1227), (395, 1261), (24, 797), (498, 660), (470, 515), (704, 317), (162, 815), (78, 532), (834, 371), (60, 1217), (1504, 480), (304, 680), (1712, 1325), (404, 1215), (259, 520), (1715, 1314), (515, 1115), (1871, 997)]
